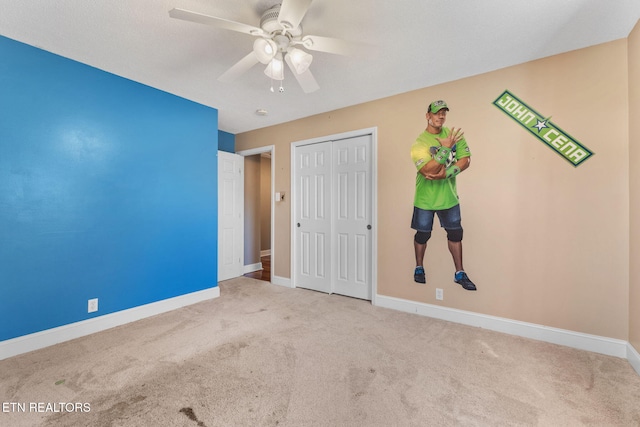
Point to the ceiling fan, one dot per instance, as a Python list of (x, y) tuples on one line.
[(278, 39)]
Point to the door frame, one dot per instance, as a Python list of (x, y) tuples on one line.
[(373, 131), (271, 149)]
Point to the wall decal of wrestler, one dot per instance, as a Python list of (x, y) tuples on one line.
[(439, 155)]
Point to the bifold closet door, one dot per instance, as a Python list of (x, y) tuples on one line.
[(333, 216), (312, 216), (352, 225)]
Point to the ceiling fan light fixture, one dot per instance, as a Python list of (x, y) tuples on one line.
[(265, 50), (301, 60), (275, 69)]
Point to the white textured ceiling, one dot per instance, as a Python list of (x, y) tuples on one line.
[(415, 44)]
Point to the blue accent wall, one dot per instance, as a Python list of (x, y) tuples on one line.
[(108, 190), (226, 141)]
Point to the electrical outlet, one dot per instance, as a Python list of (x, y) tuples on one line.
[(439, 294), (93, 305)]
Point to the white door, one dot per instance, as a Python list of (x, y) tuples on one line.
[(352, 220), (333, 224), (312, 216), (230, 215)]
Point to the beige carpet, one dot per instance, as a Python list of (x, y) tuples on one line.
[(264, 355)]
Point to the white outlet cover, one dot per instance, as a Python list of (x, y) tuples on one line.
[(439, 294), (92, 305)]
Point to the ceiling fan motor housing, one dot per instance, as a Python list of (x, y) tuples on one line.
[(269, 23)]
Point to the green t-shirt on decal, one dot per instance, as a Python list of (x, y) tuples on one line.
[(437, 194)]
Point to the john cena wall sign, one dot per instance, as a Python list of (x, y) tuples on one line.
[(543, 128)]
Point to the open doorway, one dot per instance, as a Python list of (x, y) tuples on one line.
[(258, 212)]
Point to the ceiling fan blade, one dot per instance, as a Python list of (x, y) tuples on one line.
[(292, 12), (200, 18), (328, 45), (306, 80), (239, 68)]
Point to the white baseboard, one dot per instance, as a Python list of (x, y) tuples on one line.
[(595, 343), (281, 281), (38, 340), (251, 268), (633, 357), (266, 252)]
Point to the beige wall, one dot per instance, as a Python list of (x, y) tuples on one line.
[(257, 208), (544, 241), (634, 180), (265, 203), (252, 209)]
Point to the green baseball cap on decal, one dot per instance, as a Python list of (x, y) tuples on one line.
[(436, 106)]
